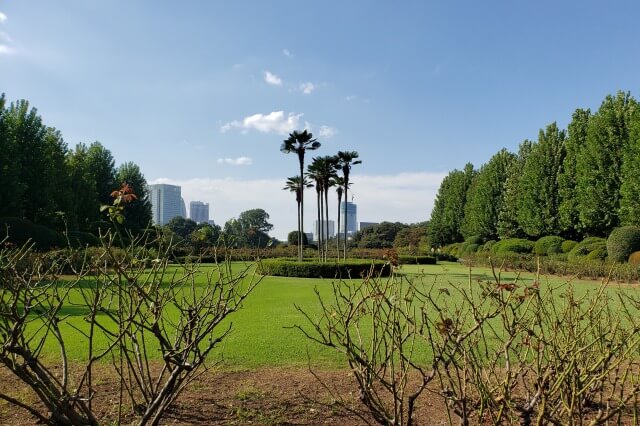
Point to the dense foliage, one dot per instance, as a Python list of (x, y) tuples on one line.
[(572, 184), (45, 182), (350, 268)]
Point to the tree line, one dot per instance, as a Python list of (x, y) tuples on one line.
[(575, 183), (48, 183)]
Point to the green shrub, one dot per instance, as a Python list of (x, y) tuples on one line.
[(470, 249), (586, 246), (634, 258), (416, 260), (20, 231), (451, 249), (512, 245), (487, 246), (599, 253), (351, 268), (548, 245), (474, 239), (568, 245), (622, 242), (79, 239)]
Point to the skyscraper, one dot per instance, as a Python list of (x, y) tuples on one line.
[(199, 211), (316, 231), (166, 202), (352, 217)]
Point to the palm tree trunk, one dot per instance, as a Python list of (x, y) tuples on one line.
[(326, 223), (338, 230), (319, 228), (300, 240), (301, 158), (346, 223)]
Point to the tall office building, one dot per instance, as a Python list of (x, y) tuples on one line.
[(166, 202), (316, 231), (199, 211), (352, 217)]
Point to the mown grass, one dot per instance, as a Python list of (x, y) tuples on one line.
[(262, 331)]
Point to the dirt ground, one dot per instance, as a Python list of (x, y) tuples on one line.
[(267, 396)]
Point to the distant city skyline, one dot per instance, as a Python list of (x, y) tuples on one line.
[(199, 211)]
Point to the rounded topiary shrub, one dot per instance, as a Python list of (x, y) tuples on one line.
[(568, 245), (20, 231), (634, 258), (82, 239), (622, 242), (470, 249), (586, 246), (548, 245), (487, 246), (598, 253), (351, 268), (474, 239), (512, 245)]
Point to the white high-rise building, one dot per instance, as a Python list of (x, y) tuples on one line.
[(316, 231), (199, 211), (352, 217), (166, 202)]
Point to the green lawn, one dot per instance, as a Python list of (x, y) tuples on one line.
[(262, 330)]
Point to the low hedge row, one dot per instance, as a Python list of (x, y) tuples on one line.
[(416, 260), (351, 268)]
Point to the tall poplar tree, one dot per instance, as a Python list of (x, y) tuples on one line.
[(508, 226), (485, 197), (599, 165), (568, 217), (538, 201), (448, 210), (630, 188)]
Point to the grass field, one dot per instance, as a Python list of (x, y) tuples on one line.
[(262, 332)]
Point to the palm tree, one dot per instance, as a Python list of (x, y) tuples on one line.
[(338, 182), (299, 143), (322, 170), (345, 161), (293, 185)]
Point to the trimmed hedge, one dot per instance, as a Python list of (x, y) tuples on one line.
[(21, 231), (586, 246), (512, 245), (351, 268), (548, 245), (634, 258), (622, 242), (417, 260), (568, 245)]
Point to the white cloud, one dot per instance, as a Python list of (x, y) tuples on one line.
[(287, 53), (6, 50), (5, 37), (307, 88), (240, 161), (327, 132), (404, 197), (351, 98), (272, 79), (3, 18), (274, 122)]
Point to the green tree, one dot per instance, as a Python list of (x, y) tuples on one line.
[(138, 214), (485, 197), (249, 229), (413, 238), (299, 143), (508, 226), (345, 160), (182, 227), (448, 210), (381, 235), (86, 207), (103, 167), (568, 216), (11, 189), (338, 182), (599, 165), (205, 235), (322, 172), (538, 201), (293, 238), (294, 185), (630, 188)]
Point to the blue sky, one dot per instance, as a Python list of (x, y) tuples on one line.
[(202, 93)]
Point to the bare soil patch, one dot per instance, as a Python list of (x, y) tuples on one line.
[(265, 396)]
